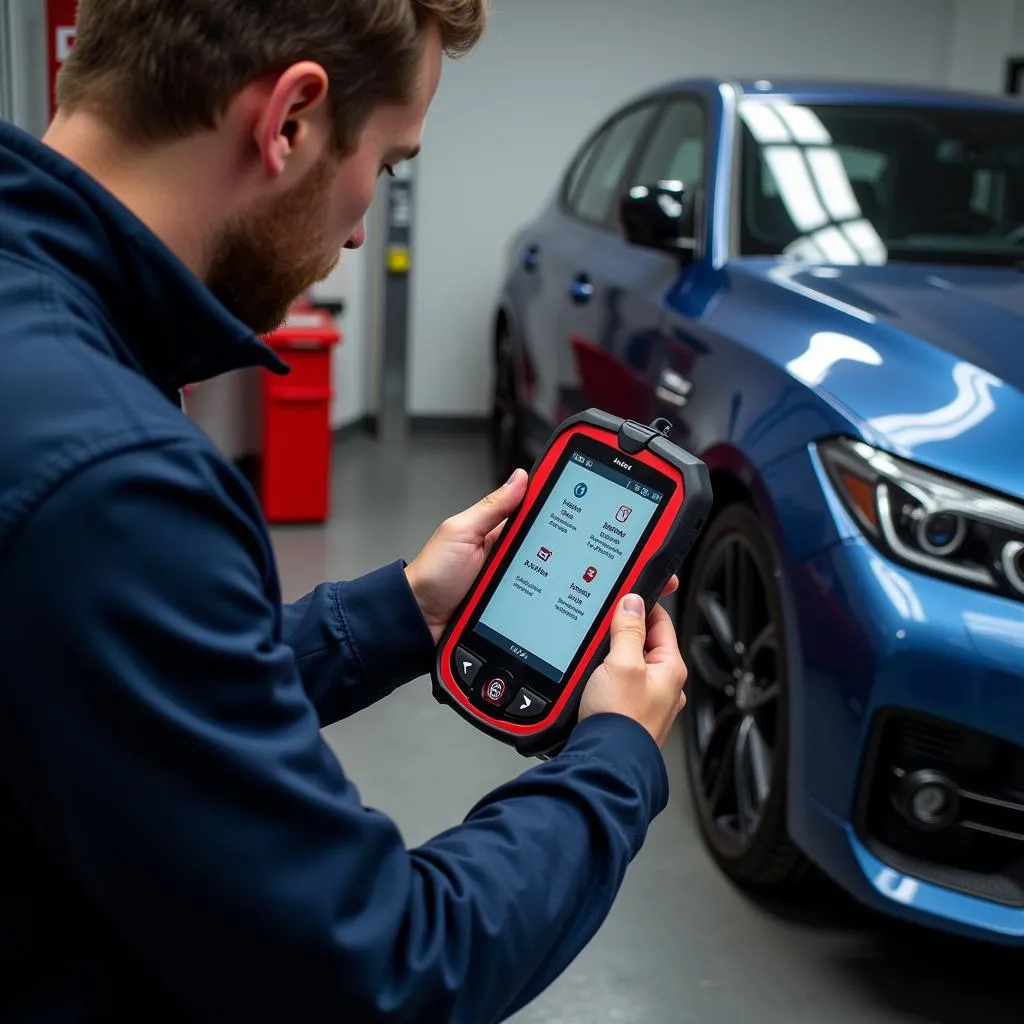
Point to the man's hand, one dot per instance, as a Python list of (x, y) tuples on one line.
[(643, 675), (442, 573)]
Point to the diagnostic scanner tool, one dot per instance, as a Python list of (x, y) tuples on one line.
[(612, 507)]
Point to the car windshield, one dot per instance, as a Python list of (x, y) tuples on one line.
[(873, 184)]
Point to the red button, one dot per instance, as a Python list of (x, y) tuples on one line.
[(495, 692)]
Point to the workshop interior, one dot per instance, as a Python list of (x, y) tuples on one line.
[(785, 240)]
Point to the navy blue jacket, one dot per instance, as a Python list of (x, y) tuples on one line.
[(177, 840)]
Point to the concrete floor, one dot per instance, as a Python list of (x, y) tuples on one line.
[(681, 945)]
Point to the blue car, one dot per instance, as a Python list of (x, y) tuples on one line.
[(822, 287)]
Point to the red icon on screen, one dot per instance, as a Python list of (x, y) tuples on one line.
[(623, 514), (590, 575), (544, 554)]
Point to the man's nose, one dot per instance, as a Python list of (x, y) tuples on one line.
[(357, 238)]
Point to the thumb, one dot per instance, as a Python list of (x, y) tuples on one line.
[(489, 513), (629, 630)]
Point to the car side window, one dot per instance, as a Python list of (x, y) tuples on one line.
[(677, 149), (594, 197), (578, 171)]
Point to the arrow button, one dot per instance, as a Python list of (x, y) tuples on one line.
[(466, 665), (527, 706)]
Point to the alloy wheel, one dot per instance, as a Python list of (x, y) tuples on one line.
[(734, 690)]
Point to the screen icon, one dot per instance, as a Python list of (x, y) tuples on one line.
[(545, 553), (581, 490), (590, 575), (624, 513)]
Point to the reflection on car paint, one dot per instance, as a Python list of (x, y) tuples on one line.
[(899, 590), (1008, 631), (973, 404), (786, 274), (896, 886), (826, 349)]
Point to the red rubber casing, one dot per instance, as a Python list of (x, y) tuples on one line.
[(677, 526)]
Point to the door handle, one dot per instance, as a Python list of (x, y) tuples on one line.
[(674, 388), (581, 290), (529, 258)]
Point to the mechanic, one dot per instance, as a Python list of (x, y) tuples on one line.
[(179, 841)]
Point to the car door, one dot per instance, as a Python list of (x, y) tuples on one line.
[(679, 150), (614, 313), (539, 253), (578, 225)]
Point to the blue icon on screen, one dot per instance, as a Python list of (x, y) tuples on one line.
[(581, 490)]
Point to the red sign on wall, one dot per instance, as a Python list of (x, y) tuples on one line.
[(60, 30)]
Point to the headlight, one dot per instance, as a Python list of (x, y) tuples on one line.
[(928, 521)]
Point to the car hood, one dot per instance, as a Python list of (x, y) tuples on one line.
[(928, 360)]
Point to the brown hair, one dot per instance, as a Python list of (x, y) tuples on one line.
[(160, 69)]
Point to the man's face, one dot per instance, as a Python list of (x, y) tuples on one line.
[(266, 257)]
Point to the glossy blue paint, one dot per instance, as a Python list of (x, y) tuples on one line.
[(833, 842), (754, 360)]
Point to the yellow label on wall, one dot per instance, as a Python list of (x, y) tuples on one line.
[(398, 260)]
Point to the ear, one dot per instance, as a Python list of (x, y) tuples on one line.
[(286, 118)]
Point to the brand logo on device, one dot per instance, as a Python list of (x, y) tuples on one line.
[(624, 465)]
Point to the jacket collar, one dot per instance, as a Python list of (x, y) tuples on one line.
[(57, 217)]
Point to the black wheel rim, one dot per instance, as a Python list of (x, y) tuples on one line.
[(505, 411), (732, 645)]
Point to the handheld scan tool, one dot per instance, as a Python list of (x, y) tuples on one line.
[(612, 507)]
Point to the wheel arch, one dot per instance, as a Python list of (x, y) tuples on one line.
[(736, 479)]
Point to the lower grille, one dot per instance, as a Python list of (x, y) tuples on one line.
[(946, 804)]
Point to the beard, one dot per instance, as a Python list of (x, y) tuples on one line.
[(267, 257)]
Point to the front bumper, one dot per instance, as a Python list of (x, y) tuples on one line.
[(874, 638)]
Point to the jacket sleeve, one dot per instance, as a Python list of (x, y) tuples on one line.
[(356, 642), (156, 732)]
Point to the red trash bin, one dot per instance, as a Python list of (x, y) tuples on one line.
[(296, 476)]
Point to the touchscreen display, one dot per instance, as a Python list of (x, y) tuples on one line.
[(567, 564)]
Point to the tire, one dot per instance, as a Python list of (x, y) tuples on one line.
[(506, 432), (736, 724)]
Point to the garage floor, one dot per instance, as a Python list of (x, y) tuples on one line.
[(681, 945)]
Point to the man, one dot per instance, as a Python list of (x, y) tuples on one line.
[(179, 843)]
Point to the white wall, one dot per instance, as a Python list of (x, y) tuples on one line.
[(508, 117), (351, 373), (23, 40), (1017, 37), (981, 38)]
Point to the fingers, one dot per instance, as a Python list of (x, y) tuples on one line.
[(661, 634), (663, 649), (629, 631), (671, 587), (488, 514), (492, 537)]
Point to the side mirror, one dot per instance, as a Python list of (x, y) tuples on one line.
[(661, 216)]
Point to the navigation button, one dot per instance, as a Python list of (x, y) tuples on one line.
[(496, 691), (527, 706), (466, 666)]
